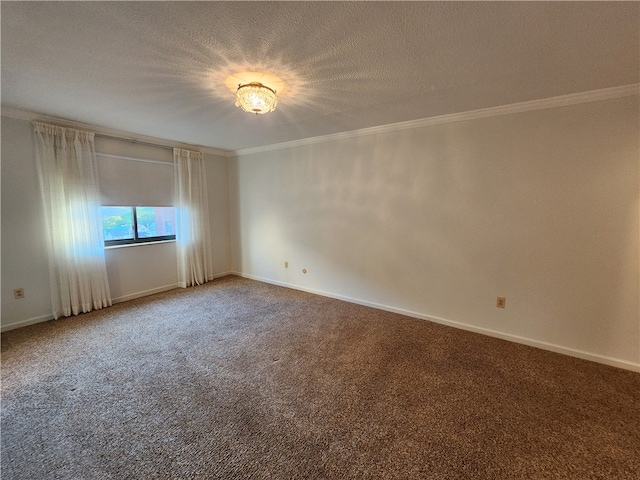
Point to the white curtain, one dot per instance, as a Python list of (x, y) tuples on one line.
[(193, 234), (67, 170)]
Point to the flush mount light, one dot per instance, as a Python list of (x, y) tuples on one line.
[(256, 98)]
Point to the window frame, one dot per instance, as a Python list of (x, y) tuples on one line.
[(136, 240)]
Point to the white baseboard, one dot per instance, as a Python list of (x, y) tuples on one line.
[(210, 278), (123, 298), (164, 288), (220, 275), (614, 362), (24, 323), (144, 293)]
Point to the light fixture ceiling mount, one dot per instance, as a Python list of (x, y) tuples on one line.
[(254, 97)]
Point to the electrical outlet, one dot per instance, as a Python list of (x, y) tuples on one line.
[(286, 264), (18, 293), (501, 302)]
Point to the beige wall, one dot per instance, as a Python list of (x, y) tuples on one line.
[(539, 207), (133, 271)]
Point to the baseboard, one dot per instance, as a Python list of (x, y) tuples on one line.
[(144, 293), (24, 323), (123, 298), (210, 278), (614, 362), (164, 288), (220, 275)]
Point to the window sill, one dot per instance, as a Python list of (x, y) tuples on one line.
[(139, 244)]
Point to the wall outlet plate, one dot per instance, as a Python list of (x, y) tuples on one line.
[(501, 302)]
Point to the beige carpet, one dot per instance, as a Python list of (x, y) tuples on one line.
[(242, 380)]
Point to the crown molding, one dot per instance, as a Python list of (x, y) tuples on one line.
[(109, 132), (532, 105)]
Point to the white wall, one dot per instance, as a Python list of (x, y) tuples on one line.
[(539, 207), (218, 191), (24, 253), (133, 271), (137, 270)]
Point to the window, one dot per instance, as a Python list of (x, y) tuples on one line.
[(125, 225)]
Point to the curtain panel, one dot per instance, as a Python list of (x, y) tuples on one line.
[(193, 234), (67, 173)]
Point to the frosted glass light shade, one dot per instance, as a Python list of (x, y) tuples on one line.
[(256, 98)]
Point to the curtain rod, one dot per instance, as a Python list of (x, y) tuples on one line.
[(134, 159), (132, 140), (111, 133), (169, 146)]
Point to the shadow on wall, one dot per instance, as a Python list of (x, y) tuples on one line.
[(441, 220)]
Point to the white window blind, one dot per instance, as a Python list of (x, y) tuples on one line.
[(133, 174)]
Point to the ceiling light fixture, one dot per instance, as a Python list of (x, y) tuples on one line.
[(256, 98)]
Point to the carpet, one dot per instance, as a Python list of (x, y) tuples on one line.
[(238, 379)]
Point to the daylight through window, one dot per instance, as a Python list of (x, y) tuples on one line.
[(125, 225)]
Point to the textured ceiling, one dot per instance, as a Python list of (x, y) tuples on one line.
[(159, 68)]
